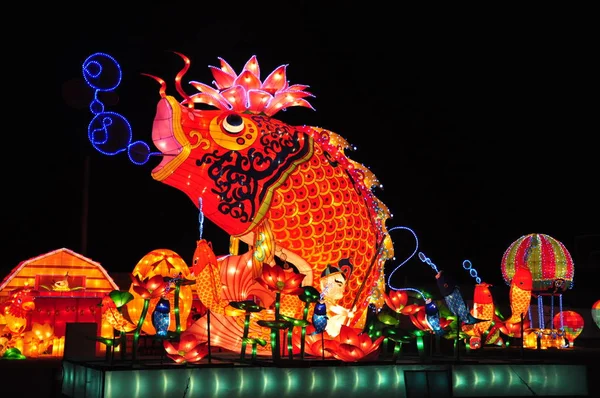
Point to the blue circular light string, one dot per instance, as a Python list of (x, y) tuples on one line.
[(110, 132), (472, 271), (428, 261), (389, 281)]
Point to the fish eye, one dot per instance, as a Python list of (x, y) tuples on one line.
[(233, 131), (233, 123)]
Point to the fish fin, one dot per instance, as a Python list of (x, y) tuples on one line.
[(471, 320), (240, 280), (264, 247), (516, 318), (225, 331), (469, 329)]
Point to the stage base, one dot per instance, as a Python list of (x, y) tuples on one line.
[(94, 380)]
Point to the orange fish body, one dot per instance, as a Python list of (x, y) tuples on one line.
[(483, 308), (286, 191), (229, 278), (520, 294)]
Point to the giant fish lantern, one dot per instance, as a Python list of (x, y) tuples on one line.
[(289, 191)]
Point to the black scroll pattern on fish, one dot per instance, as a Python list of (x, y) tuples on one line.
[(242, 179)]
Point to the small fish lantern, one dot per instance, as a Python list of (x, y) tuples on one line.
[(161, 317), (320, 318)]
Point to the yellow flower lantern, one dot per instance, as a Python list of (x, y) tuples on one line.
[(166, 263)]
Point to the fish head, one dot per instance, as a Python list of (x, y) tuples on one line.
[(203, 256), (445, 283), (163, 306), (320, 309), (230, 159), (431, 307), (522, 278), (482, 294)]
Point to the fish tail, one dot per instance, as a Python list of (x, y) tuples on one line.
[(514, 318), (227, 331), (241, 284), (471, 320), (469, 329)]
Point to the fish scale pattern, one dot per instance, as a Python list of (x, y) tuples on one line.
[(519, 303), (320, 215)]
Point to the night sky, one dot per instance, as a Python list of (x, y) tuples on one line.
[(480, 132)]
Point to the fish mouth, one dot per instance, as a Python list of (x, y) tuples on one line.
[(29, 306), (168, 137)]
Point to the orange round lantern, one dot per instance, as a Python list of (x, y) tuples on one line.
[(548, 260), (572, 323), (166, 263)]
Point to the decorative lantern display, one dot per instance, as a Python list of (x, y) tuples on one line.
[(16, 309), (596, 313), (291, 194), (168, 264), (548, 260), (305, 202), (572, 323), (547, 338)]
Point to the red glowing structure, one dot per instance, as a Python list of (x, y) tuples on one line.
[(551, 266), (571, 322)]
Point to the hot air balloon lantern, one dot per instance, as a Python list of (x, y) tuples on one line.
[(550, 263), (548, 260), (596, 313), (572, 323)]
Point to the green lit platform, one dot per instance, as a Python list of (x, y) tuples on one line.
[(324, 379)]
